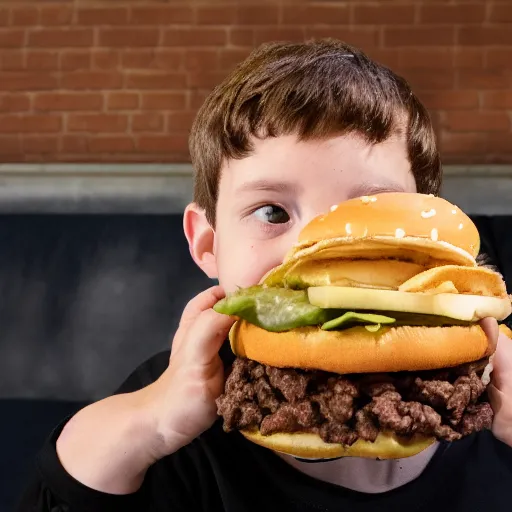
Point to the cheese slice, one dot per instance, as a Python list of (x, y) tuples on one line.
[(469, 308)]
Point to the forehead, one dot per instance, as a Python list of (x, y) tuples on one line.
[(342, 165)]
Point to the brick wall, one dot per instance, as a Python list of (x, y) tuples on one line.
[(117, 80)]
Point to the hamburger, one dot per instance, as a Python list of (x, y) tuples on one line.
[(366, 341)]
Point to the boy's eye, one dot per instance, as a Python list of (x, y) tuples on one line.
[(272, 214)]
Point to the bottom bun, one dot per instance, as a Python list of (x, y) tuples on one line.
[(310, 446), (357, 350)]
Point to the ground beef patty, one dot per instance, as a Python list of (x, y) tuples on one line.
[(446, 404)]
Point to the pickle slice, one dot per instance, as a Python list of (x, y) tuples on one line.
[(272, 309)]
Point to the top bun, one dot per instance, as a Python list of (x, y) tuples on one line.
[(396, 215)]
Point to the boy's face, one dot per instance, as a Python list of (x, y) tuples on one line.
[(267, 198)]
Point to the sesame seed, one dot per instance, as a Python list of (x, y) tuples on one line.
[(334, 207), (454, 212), (434, 235), (399, 233), (461, 225), (426, 214), (348, 228)]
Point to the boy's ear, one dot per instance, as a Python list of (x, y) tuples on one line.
[(201, 239)]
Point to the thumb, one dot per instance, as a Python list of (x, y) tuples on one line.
[(206, 335)]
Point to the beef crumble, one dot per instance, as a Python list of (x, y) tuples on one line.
[(446, 404)]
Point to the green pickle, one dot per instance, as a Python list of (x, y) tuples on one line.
[(273, 309), (282, 309), (351, 317)]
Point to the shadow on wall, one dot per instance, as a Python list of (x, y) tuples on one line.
[(85, 299)]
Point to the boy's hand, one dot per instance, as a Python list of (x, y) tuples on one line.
[(500, 389), (110, 444), (182, 400)]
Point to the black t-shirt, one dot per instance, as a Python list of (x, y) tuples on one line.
[(224, 472)]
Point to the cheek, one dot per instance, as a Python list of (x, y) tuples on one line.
[(244, 266)]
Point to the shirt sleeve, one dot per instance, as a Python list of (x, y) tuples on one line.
[(52, 489)]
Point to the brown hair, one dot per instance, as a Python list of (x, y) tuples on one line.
[(313, 89)]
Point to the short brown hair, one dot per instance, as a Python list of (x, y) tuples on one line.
[(313, 89)]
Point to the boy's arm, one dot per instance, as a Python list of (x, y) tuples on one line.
[(53, 489), (108, 446)]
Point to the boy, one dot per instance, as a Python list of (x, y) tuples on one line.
[(295, 129)]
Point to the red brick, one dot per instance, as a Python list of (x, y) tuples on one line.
[(14, 102), (138, 59), (257, 14), (147, 122), (59, 101), (429, 58), (168, 59), (128, 37), (483, 79), (241, 36), (40, 144), (30, 123), (155, 80), (500, 12), (197, 98), (195, 37), (11, 38), (497, 99), (450, 100), (10, 145), (103, 16), (4, 16), (75, 60), (229, 58), (12, 60), (37, 60), (97, 123), (477, 36), (59, 37), (499, 57), (201, 59), (419, 36), (23, 16), (463, 143), (427, 80), (471, 121), (216, 15), (162, 15), (334, 14), (362, 37), (462, 13), (116, 144), (469, 57), (269, 34), (390, 57), (123, 101), (75, 144), (57, 15), (28, 81), (499, 143), (106, 59), (384, 14), (205, 79), (164, 101), (180, 121), (163, 143), (92, 80)]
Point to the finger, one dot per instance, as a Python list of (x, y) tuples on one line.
[(490, 328), (206, 335), (502, 363), (205, 300)]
